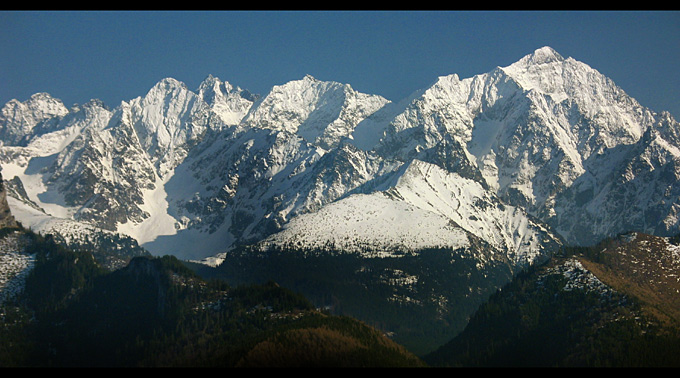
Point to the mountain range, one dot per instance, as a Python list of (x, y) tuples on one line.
[(503, 168), (546, 141)]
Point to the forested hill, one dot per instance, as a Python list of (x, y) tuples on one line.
[(615, 304), (156, 312)]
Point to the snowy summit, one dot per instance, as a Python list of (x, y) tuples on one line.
[(539, 152)]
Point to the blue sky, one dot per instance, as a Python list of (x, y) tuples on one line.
[(116, 56)]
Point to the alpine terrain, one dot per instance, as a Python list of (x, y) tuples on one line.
[(408, 214)]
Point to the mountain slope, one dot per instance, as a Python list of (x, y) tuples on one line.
[(154, 312), (538, 127), (547, 135), (422, 206), (611, 305)]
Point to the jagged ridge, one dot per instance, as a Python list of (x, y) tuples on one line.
[(546, 136)]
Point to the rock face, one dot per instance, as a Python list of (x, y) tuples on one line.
[(545, 145), (6, 217)]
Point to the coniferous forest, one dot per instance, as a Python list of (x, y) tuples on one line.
[(162, 312), (156, 312), (537, 320)]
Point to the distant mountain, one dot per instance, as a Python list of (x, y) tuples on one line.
[(22, 120), (499, 170), (548, 135), (555, 137)]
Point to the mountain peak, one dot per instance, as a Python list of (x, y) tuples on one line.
[(229, 102), (169, 83), (17, 119), (42, 96), (211, 86), (542, 55), (213, 83)]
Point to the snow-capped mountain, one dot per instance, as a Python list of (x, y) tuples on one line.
[(426, 207), (230, 103), (547, 146), (539, 132), (19, 119), (323, 113), (285, 158)]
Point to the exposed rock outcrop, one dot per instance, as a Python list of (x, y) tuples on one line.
[(6, 217)]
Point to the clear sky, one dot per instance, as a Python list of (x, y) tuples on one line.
[(116, 56)]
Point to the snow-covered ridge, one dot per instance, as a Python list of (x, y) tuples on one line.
[(371, 224), (421, 206), (546, 139), (473, 208), (321, 112), (19, 118)]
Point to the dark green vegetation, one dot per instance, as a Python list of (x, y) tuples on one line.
[(542, 319), (156, 312), (420, 299), (615, 304)]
